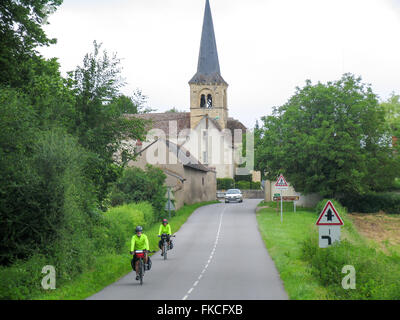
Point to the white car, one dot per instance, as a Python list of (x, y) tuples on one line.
[(233, 195)]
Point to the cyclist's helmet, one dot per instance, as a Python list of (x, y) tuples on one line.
[(139, 229), (165, 221)]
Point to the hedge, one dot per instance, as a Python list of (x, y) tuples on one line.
[(225, 183), (372, 203), (377, 274), (109, 234)]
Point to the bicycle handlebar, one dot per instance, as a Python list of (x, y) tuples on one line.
[(143, 250)]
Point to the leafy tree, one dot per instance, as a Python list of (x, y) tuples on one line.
[(99, 121), (329, 138), (392, 108), (173, 110), (137, 185), (125, 104), (21, 33), (140, 101)]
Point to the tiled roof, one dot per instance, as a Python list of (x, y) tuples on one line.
[(162, 121)]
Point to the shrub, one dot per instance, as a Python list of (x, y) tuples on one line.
[(225, 183), (248, 185), (52, 201), (373, 202), (256, 185), (76, 251), (137, 185), (377, 275), (248, 178), (243, 185)]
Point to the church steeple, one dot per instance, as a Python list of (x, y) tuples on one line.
[(208, 70), (208, 90)]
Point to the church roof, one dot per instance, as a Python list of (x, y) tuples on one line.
[(208, 70), (161, 121)]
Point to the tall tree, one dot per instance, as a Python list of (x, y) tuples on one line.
[(21, 32), (392, 108), (329, 138), (99, 119)]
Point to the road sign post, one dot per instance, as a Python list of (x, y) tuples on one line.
[(281, 184), (169, 205), (276, 198), (329, 223)]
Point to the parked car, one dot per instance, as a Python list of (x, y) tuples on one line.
[(233, 195)]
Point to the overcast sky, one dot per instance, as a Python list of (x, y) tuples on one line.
[(266, 47)]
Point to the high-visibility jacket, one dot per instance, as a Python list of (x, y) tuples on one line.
[(164, 229), (140, 243)]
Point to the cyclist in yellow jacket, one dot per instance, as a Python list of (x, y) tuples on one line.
[(165, 228), (139, 242)]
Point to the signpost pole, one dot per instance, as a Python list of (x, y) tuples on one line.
[(169, 203), (294, 204), (281, 207)]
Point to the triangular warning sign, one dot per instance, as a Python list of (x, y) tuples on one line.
[(281, 182), (329, 216)]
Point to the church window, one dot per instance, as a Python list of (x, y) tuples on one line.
[(203, 101), (209, 101)]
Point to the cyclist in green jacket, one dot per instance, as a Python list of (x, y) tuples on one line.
[(139, 242), (165, 228)]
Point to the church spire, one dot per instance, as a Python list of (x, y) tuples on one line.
[(208, 70)]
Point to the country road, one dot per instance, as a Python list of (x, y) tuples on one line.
[(218, 255)]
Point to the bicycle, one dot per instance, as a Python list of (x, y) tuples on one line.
[(140, 254), (165, 247)]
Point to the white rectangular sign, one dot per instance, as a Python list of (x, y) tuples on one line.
[(328, 235)]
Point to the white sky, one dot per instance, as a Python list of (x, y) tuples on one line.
[(266, 47)]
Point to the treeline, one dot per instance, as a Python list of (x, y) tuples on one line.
[(335, 139), (58, 138)]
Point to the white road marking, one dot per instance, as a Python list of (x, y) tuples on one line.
[(211, 256)]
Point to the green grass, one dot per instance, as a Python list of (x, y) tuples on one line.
[(111, 267), (283, 241), (309, 272)]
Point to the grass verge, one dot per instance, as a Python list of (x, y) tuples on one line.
[(111, 267), (309, 272), (283, 241)]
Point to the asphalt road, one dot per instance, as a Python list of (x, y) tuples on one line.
[(218, 255)]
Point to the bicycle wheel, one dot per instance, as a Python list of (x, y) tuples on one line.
[(165, 250), (141, 266)]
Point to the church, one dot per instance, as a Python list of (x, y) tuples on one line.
[(206, 132), (195, 148)]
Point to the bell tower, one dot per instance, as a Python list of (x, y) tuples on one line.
[(208, 90)]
